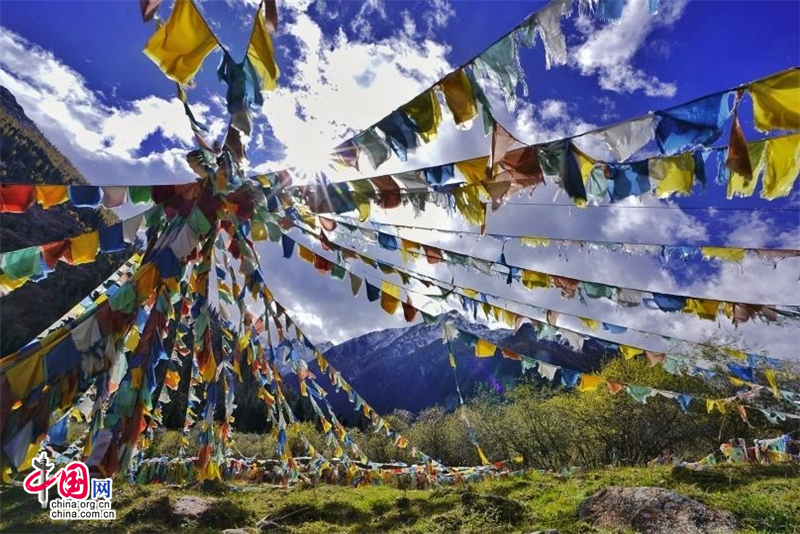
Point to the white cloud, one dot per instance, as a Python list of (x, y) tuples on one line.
[(103, 141), (343, 86), (609, 51), (439, 14), (361, 23)]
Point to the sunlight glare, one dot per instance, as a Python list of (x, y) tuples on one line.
[(310, 159)]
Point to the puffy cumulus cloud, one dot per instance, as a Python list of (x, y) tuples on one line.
[(342, 86), (552, 119), (103, 141), (609, 50)]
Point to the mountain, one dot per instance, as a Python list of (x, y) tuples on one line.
[(408, 368), (28, 157)]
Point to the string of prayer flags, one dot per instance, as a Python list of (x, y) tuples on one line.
[(602, 169), (665, 302), (499, 62), (672, 364), (36, 262), (17, 198), (707, 309), (581, 177), (338, 381), (665, 253), (571, 378)]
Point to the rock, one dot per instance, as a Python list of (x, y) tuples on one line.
[(654, 511), (239, 531), (190, 507)]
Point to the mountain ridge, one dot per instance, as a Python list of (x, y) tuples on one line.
[(408, 368)]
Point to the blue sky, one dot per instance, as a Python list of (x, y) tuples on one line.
[(78, 70)]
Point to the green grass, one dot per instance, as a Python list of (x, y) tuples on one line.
[(762, 498)]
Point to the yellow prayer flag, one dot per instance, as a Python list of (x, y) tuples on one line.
[(590, 323), (33, 450), (484, 349), (705, 309), (719, 404), (25, 375), (180, 46), (8, 284), (738, 382), (132, 341), (459, 97), (137, 373), (673, 175), (305, 253), (424, 110), (390, 297), (769, 374), (261, 53), (469, 204), (362, 191), (738, 354), (146, 280), (508, 317), (389, 303), (452, 361), (629, 352), (473, 170), (589, 382), (532, 279), (172, 379), (50, 195), (84, 248), (722, 253), (585, 164), (740, 186), (534, 242), (782, 166), (775, 102), (258, 230), (484, 459), (391, 289)]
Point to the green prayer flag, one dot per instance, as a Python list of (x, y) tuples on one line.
[(140, 194), (22, 263), (124, 299), (639, 393), (338, 271), (198, 223)]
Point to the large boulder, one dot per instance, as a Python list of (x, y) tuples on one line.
[(654, 511), (189, 507)]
